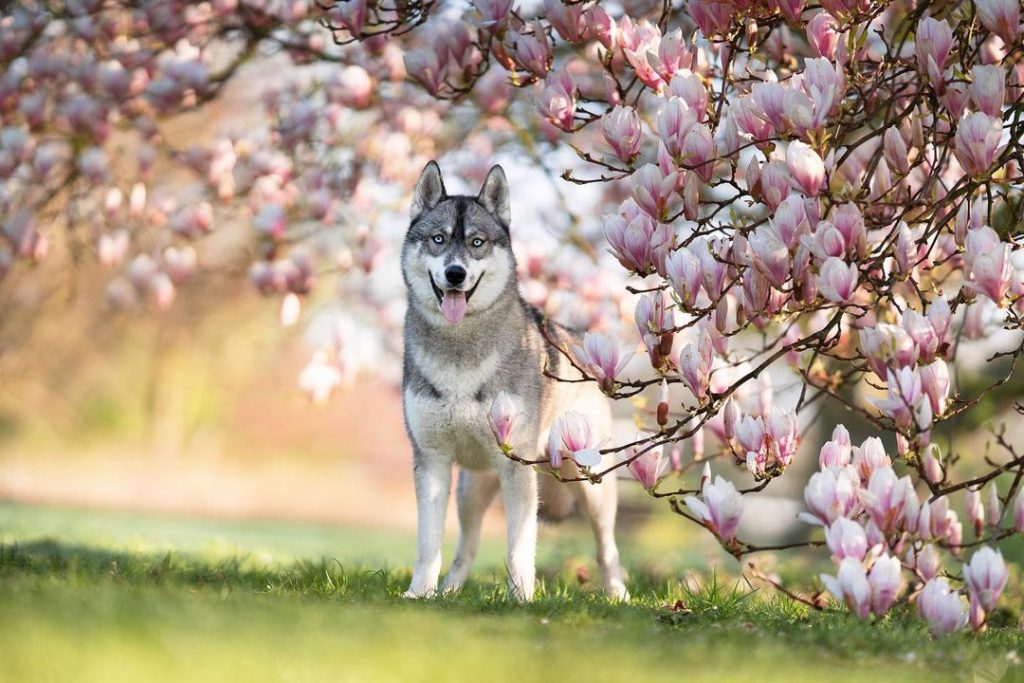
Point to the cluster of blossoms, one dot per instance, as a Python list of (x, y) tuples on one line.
[(836, 188), (878, 530), (829, 191)]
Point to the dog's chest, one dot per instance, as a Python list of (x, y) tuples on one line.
[(450, 416)]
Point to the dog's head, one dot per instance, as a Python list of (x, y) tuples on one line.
[(457, 257)]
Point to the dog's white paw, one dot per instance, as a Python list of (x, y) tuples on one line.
[(418, 595), (616, 591)]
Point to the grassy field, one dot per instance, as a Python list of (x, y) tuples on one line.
[(88, 596)]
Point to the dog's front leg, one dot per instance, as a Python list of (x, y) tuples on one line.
[(433, 475), (519, 493)]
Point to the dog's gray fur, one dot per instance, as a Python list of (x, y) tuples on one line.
[(453, 371)]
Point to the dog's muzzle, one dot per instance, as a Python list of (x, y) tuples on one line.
[(453, 302)]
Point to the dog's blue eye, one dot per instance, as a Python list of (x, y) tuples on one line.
[(438, 239), (478, 242)]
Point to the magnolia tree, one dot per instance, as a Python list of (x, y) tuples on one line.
[(830, 189)]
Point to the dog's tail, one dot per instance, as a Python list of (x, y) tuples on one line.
[(556, 500)]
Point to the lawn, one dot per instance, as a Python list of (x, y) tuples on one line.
[(89, 596)]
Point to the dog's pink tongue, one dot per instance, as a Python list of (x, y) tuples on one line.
[(453, 306)]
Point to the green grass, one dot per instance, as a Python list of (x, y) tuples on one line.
[(88, 596)]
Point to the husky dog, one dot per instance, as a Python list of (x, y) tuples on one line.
[(469, 335)]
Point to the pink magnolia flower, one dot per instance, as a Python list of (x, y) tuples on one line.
[(621, 128), (749, 433), (752, 120), (647, 467), (351, 15), (870, 456), (711, 16), (931, 465), (834, 455), (955, 96), (721, 507), (674, 122), (532, 51), (782, 437), (727, 138), (426, 68), (690, 89), (846, 539), (849, 221), (993, 507), (886, 581), (568, 20), (942, 608), (730, 418), (805, 168), (695, 365), (886, 345), (699, 152), (975, 510), (838, 280), (988, 89), (991, 272), (904, 394), (672, 55), (683, 270), (976, 143), (1001, 17), (492, 12), (940, 316), (928, 562), (850, 585), (652, 318), (637, 42), (502, 418), (789, 223), (557, 102), (712, 265), (572, 437), (600, 357), (830, 495), (629, 233), (921, 332), (814, 95), (602, 26), (895, 150), (775, 183), (932, 46), (770, 256), (822, 35), (886, 499), (770, 98), (986, 576), (792, 9), (935, 384), (653, 189)]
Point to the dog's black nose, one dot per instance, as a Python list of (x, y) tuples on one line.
[(455, 274)]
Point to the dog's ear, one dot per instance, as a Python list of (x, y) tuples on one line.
[(494, 196), (429, 190)]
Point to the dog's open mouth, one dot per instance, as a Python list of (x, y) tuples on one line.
[(453, 302)]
